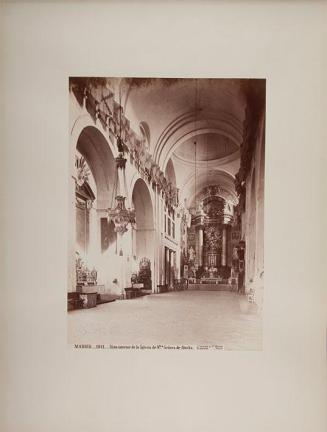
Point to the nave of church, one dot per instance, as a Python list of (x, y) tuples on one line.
[(167, 201)]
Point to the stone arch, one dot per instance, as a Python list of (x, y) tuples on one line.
[(144, 216), (85, 120), (204, 179), (94, 147), (144, 233), (191, 124), (90, 142)]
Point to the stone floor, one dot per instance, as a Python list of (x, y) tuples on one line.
[(173, 318)]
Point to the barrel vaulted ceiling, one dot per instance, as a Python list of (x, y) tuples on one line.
[(188, 119)]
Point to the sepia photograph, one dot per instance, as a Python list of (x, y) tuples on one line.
[(163, 216), (166, 243)]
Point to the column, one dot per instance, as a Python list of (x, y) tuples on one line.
[(93, 246), (161, 247), (224, 247), (72, 238), (156, 260), (228, 246), (170, 267), (173, 266), (166, 266), (200, 245), (171, 258), (178, 263)]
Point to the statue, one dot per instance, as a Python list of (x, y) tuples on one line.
[(191, 253), (200, 210)]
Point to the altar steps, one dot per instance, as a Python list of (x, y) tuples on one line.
[(106, 298), (211, 287)]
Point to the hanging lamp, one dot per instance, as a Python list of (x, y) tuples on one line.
[(120, 215)]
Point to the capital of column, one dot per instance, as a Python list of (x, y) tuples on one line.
[(89, 205), (199, 221), (120, 161)]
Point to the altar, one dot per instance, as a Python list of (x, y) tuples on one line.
[(209, 243), (211, 280), (210, 286), (213, 275)]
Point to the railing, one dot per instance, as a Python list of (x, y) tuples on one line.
[(180, 284)]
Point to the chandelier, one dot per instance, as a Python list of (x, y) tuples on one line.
[(120, 215)]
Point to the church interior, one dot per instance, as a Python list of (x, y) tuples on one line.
[(166, 191)]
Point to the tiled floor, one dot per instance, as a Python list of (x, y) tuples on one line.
[(185, 317)]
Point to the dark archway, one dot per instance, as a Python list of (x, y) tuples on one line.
[(144, 219), (98, 155), (144, 232), (94, 236)]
